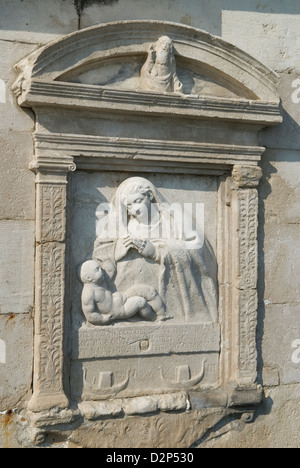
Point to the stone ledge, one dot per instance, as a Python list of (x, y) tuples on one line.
[(92, 410)]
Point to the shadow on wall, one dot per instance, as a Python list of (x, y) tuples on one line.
[(283, 135), (264, 191), (215, 437)]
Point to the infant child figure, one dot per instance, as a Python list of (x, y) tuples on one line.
[(100, 306)]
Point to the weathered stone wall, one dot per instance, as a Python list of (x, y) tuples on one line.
[(269, 31)]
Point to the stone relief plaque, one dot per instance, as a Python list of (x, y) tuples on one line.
[(149, 287), (147, 171)]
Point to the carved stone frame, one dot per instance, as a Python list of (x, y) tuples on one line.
[(58, 154)]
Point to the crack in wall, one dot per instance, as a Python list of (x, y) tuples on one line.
[(80, 5)]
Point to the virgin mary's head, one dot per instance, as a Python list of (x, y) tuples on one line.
[(137, 195)]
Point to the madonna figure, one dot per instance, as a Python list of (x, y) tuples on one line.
[(141, 241)]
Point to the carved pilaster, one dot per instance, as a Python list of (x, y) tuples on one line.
[(50, 284), (245, 222)]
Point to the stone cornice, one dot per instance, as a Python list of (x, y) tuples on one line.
[(156, 151), (96, 98)]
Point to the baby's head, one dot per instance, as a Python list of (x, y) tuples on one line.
[(91, 272)]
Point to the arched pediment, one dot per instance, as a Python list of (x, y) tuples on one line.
[(111, 56)]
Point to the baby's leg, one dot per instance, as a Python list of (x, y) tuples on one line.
[(147, 313), (137, 304), (152, 297)]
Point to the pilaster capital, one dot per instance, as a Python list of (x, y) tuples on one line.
[(246, 176)]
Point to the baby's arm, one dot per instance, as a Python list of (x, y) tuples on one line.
[(118, 305)]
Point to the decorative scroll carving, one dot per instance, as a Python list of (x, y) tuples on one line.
[(245, 274), (248, 323), (52, 284), (248, 206), (52, 216), (50, 292)]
